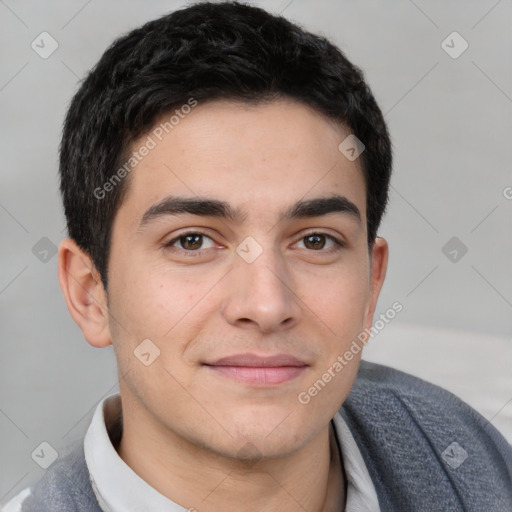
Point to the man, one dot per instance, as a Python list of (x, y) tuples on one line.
[(224, 174)]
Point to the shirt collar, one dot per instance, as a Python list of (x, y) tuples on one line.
[(361, 493), (118, 488)]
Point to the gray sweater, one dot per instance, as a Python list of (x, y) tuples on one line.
[(425, 450)]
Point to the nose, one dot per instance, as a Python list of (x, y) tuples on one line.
[(261, 294)]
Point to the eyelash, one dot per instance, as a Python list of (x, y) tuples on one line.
[(339, 244)]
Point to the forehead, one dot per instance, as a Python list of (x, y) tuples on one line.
[(259, 158)]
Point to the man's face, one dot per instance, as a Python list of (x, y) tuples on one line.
[(274, 294)]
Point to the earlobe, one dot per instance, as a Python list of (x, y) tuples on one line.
[(84, 293)]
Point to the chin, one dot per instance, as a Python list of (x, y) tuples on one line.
[(270, 435)]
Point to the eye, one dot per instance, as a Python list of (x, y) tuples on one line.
[(192, 241), (318, 241)]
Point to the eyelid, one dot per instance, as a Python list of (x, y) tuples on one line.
[(323, 231), (339, 241), (175, 239)]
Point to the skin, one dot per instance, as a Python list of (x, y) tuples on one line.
[(202, 439)]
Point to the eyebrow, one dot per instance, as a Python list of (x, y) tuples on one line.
[(177, 205)]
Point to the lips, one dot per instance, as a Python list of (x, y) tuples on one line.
[(253, 360), (259, 370)]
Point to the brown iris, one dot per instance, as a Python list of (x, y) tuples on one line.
[(317, 241), (191, 241)]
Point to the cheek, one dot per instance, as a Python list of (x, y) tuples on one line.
[(338, 297), (169, 306), (147, 307)]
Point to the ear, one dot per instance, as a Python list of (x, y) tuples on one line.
[(84, 293), (378, 267)]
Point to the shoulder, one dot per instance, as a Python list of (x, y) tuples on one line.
[(407, 393), (415, 435), (65, 486), (384, 393)]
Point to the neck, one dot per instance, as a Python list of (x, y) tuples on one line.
[(196, 477)]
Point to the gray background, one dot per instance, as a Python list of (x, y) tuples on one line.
[(451, 124)]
